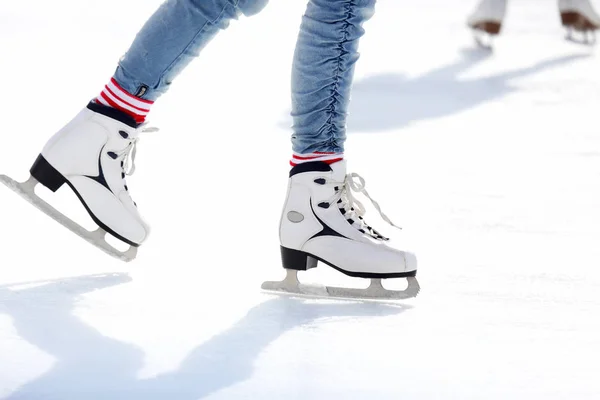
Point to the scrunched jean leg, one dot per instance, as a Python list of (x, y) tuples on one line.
[(323, 68)]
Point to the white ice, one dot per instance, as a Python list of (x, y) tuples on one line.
[(490, 161)]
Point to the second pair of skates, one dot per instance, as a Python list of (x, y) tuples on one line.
[(321, 221), (576, 16)]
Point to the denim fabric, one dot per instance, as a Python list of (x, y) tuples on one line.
[(172, 37), (322, 71)]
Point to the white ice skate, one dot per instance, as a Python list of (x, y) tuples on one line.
[(579, 16), (321, 221), (486, 21), (91, 155)]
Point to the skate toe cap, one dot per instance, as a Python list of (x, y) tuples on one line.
[(410, 260), (116, 214)]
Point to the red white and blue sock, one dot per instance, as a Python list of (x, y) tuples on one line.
[(115, 96), (326, 157)]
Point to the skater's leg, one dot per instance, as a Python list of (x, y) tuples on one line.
[(166, 44), (172, 38), (321, 219), (322, 72)]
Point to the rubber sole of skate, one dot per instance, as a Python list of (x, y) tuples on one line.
[(96, 238), (577, 21), (490, 27), (291, 285)]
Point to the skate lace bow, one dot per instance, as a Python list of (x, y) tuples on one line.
[(129, 152), (353, 182)]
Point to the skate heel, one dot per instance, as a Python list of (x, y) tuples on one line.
[(296, 259), (46, 174), (569, 18), (489, 27)]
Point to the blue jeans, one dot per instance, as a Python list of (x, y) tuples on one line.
[(322, 70)]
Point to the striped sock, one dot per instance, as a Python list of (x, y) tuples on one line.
[(326, 157), (115, 96)]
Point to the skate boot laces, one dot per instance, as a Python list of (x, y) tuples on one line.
[(352, 209), (129, 152)]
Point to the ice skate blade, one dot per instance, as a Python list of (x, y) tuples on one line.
[(375, 291), (96, 238), (483, 40), (584, 38)]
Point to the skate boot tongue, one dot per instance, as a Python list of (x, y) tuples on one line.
[(339, 171)]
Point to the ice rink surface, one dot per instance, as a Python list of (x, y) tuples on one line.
[(490, 161)]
